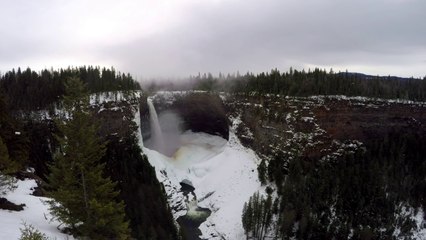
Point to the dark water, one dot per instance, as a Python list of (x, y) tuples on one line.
[(190, 224)]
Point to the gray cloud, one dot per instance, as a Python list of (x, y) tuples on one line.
[(378, 37)]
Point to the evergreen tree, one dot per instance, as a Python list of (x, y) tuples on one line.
[(4, 156), (29, 90), (6, 182), (257, 216), (146, 203), (261, 169), (15, 140), (7, 165), (247, 218), (83, 198)]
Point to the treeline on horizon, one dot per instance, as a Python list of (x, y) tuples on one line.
[(316, 82), (31, 90)]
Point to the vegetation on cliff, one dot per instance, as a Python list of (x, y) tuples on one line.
[(30, 90), (83, 198)]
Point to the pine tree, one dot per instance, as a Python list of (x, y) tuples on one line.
[(257, 216), (17, 144), (6, 164), (246, 218), (261, 169), (4, 155), (6, 182), (84, 199)]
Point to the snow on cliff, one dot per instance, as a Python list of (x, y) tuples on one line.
[(224, 174), (35, 213)]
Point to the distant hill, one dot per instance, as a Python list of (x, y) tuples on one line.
[(370, 77)]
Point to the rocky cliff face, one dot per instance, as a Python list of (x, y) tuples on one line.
[(365, 119), (199, 112), (203, 113), (316, 126), (116, 115), (357, 164)]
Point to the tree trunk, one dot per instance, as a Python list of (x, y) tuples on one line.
[(86, 203)]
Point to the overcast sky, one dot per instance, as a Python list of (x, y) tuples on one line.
[(167, 38)]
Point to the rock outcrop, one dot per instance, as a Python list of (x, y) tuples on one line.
[(317, 126), (200, 112)]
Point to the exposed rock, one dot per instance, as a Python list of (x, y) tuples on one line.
[(144, 116), (344, 119), (318, 127), (7, 205), (115, 118), (40, 189), (200, 112), (39, 192), (203, 113), (186, 186)]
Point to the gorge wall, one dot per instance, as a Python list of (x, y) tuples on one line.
[(198, 112)]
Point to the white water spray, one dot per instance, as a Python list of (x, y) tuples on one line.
[(137, 120), (156, 133)]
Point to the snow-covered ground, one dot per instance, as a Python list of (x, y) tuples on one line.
[(224, 174), (35, 213), (418, 218), (115, 96)]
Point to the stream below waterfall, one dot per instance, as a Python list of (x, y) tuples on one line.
[(222, 173), (169, 127), (195, 215)]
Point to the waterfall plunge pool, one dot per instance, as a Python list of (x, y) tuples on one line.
[(186, 151), (196, 215)]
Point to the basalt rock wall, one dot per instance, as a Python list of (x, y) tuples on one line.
[(200, 112)]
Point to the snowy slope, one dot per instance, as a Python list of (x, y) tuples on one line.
[(232, 179), (35, 213), (405, 211), (224, 176)]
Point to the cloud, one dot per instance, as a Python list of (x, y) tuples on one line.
[(178, 38)]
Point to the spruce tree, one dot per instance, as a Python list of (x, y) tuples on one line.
[(84, 199), (4, 156), (257, 216), (247, 218), (7, 165), (6, 182), (261, 169)]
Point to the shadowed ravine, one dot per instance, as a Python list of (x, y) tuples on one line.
[(194, 217)]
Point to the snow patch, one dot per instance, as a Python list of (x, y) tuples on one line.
[(224, 174), (35, 213)]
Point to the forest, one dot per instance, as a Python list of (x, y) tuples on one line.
[(362, 193), (359, 193), (315, 82), (31, 90), (93, 175)]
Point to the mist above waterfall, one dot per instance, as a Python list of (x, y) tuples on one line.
[(170, 123), (157, 142), (165, 131)]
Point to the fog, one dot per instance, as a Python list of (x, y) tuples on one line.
[(178, 38), (171, 128)]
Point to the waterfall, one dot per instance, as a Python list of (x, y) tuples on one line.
[(156, 134), (137, 120)]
